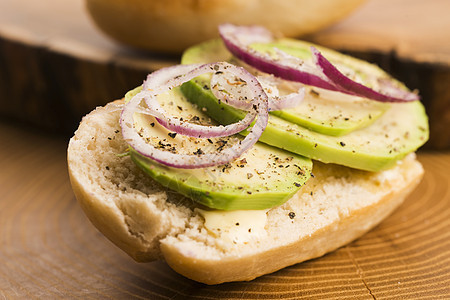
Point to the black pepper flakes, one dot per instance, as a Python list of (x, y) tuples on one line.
[(199, 152), (172, 134), (342, 144), (292, 215), (315, 93)]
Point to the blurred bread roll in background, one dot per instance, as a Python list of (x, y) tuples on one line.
[(171, 26)]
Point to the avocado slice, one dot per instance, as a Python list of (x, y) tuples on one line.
[(401, 129), (360, 70), (261, 178), (320, 111)]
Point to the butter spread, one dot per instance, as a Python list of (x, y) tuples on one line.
[(237, 226)]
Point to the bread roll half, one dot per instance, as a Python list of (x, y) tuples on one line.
[(149, 222), (170, 26)]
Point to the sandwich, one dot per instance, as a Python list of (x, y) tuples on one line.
[(254, 154)]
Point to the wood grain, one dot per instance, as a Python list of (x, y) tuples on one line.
[(48, 248)]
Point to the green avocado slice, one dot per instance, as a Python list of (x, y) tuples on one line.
[(401, 129), (263, 177), (321, 110)]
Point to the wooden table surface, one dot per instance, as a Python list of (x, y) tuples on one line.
[(49, 249), (53, 70)]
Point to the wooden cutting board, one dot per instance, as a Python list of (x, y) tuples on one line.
[(49, 249)]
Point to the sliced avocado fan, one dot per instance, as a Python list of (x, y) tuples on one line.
[(396, 130)]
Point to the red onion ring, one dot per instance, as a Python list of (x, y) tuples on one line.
[(276, 102), (234, 94), (324, 75), (163, 82), (347, 85), (237, 39), (287, 101), (168, 78)]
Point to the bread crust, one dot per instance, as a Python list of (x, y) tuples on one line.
[(123, 203), (148, 222), (170, 26), (103, 213), (322, 241)]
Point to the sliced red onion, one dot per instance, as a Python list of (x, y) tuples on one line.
[(323, 75), (159, 78), (162, 82), (345, 84), (231, 89), (236, 40), (276, 102), (287, 101), (269, 84)]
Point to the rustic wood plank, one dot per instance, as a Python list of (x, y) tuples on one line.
[(55, 66), (50, 250)]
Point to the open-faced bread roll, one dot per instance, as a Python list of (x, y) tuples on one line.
[(150, 222)]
